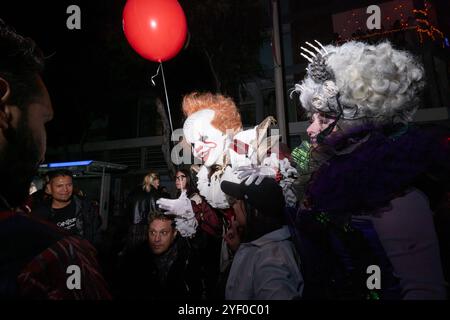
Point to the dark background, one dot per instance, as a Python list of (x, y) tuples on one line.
[(93, 72), (101, 88)]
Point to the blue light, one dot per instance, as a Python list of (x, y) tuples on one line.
[(447, 44), (69, 164)]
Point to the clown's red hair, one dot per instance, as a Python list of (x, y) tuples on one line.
[(226, 116)]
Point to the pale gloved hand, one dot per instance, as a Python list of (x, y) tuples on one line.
[(250, 173), (268, 169), (181, 208)]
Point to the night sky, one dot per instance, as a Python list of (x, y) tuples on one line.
[(94, 71)]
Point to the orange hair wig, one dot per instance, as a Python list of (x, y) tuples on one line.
[(226, 115)]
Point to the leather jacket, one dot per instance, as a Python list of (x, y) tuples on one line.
[(174, 275), (141, 204)]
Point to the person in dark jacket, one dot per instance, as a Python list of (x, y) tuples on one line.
[(366, 203), (37, 258), (208, 238), (140, 203), (164, 268), (68, 211)]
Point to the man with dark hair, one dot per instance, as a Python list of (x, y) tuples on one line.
[(35, 256), (164, 268), (67, 210), (266, 265)]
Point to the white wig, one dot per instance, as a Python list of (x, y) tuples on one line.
[(374, 82)]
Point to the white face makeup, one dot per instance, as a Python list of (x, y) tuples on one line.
[(208, 142)]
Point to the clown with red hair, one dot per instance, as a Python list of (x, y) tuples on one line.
[(213, 128)]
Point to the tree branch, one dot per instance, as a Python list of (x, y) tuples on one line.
[(217, 82)]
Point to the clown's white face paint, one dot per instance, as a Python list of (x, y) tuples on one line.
[(208, 142)]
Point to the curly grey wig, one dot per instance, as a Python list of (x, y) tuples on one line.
[(374, 83)]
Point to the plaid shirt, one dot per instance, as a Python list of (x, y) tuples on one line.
[(34, 261)]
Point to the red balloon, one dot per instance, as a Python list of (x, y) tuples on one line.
[(156, 29)]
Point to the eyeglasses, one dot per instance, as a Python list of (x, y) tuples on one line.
[(180, 177)]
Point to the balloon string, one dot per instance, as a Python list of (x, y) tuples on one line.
[(160, 67), (167, 98), (155, 75)]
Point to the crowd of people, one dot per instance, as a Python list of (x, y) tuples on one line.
[(254, 221)]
